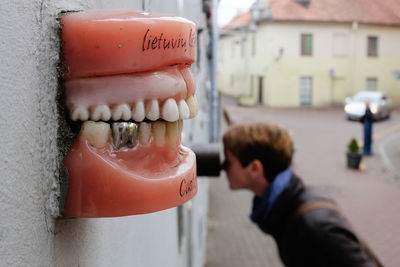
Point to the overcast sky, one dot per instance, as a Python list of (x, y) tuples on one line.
[(229, 8)]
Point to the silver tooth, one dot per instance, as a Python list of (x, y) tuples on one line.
[(124, 134)]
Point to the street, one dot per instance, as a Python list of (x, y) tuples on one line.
[(370, 197)]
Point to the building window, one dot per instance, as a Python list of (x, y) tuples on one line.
[(305, 91), (306, 44), (372, 84), (372, 49)]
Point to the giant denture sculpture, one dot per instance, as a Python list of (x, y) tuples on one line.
[(127, 79)]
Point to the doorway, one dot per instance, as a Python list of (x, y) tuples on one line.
[(260, 90), (305, 91)]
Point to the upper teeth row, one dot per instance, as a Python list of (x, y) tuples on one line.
[(170, 111)]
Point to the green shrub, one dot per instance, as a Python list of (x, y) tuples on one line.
[(353, 145)]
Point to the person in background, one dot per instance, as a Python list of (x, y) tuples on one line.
[(257, 158), (367, 119)]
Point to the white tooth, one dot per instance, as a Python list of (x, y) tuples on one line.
[(96, 133), (184, 111), (192, 104), (159, 129), (170, 110), (100, 112), (144, 133), (173, 133), (122, 111), (152, 110), (138, 111), (79, 113)]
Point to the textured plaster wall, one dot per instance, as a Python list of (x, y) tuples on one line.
[(29, 55), (30, 234)]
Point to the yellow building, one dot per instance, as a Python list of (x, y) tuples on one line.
[(290, 53)]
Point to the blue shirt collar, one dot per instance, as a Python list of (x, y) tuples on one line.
[(262, 206)]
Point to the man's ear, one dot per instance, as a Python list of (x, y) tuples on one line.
[(256, 169)]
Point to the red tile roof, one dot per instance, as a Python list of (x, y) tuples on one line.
[(363, 11), (394, 5), (237, 22), (380, 12)]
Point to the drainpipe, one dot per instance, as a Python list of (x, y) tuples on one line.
[(214, 102)]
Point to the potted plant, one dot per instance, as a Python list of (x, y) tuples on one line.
[(353, 154)]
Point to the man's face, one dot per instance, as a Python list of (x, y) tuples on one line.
[(238, 176)]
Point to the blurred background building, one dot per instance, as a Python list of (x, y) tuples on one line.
[(291, 53)]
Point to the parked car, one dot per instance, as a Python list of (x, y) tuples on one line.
[(380, 105)]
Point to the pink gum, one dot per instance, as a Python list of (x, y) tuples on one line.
[(100, 187), (173, 82), (109, 42)]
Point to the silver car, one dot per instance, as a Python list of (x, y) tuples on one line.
[(380, 105)]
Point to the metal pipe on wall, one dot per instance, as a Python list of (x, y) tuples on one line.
[(214, 101)]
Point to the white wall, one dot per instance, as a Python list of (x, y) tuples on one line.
[(30, 234), (278, 60)]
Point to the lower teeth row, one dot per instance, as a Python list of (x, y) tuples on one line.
[(129, 134)]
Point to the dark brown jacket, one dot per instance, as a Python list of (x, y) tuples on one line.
[(320, 238)]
